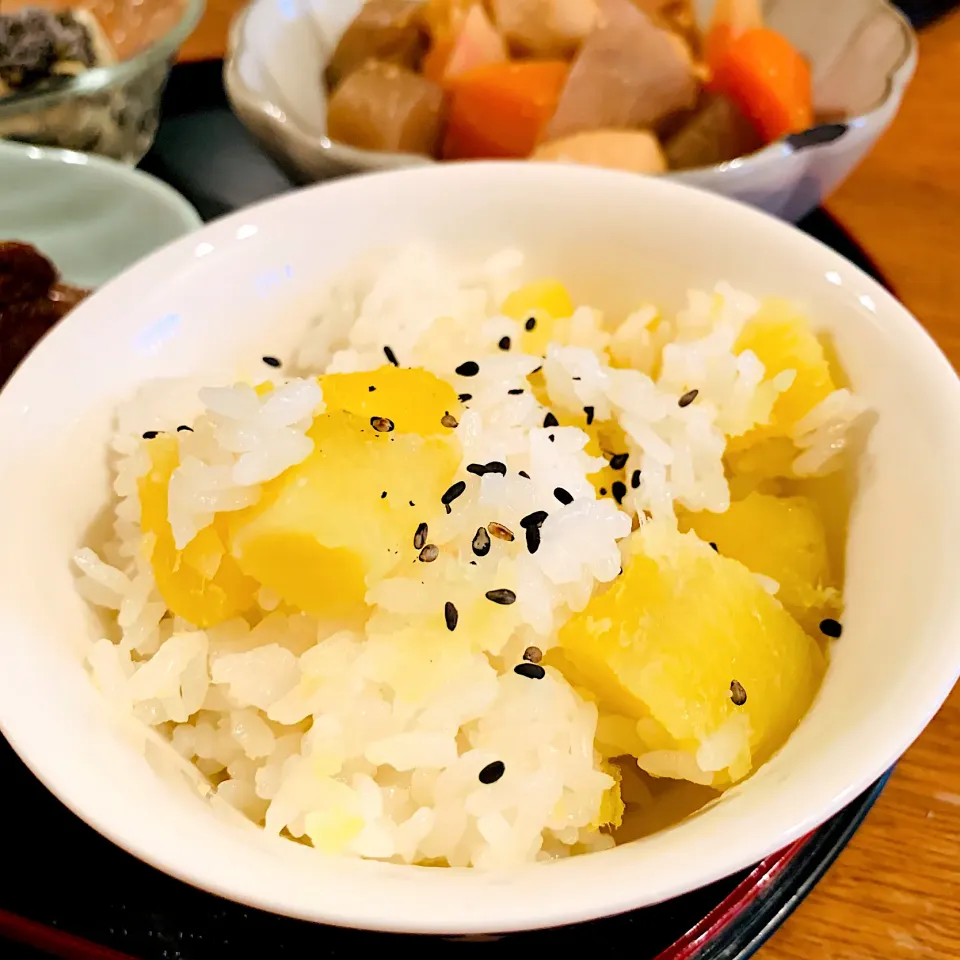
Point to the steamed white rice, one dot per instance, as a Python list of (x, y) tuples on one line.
[(354, 740)]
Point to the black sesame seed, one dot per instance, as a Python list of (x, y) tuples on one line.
[(737, 694), (515, 392), (603, 491), (481, 542), (271, 361), (524, 474), (502, 596), (635, 479), (450, 615), (464, 397), (552, 437), (532, 671), (589, 411), (530, 324), (499, 531), (383, 496), (619, 491), (478, 469), (420, 537), (412, 504), (391, 356), (183, 428), (429, 553), (496, 466), (534, 519), (532, 535), (492, 772), (468, 369), (448, 420), (533, 654), (714, 547), (532, 372), (564, 496), (453, 492), (550, 421), (504, 343), (619, 460), (382, 424), (687, 398), (151, 434), (371, 388), (831, 628)]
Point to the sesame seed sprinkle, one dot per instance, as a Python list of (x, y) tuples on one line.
[(687, 398), (530, 324), (371, 388), (737, 694), (391, 356), (603, 491), (714, 547), (481, 542), (831, 628), (271, 361), (429, 553), (383, 496), (532, 671), (532, 536), (533, 654), (550, 421), (589, 411), (619, 460), (552, 437), (515, 392), (448, 420), (499, 531), (635, 479), (382, 424), (534, 519), (504, 343), (183, 428), (469, 369), (492, 772), (564, 496), (524, 474), (453, 492), (151, 434), (619, 490), (420, 537), (503, 596), (464, 397), (451, 616)]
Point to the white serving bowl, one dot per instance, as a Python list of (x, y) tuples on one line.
[(244, 286), (863, 55)]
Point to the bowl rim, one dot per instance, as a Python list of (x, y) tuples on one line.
[(898, 323), (189, 218), (100, 78), (243, 98)]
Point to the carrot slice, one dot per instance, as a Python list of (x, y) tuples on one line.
[(730, 20), (769, 80), (501, 109)]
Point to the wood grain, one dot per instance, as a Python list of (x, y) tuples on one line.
[(895, 892)]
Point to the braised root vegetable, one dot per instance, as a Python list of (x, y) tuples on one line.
[(719, 131), (628, 73), (474, 43), (635, 150), (500, 110), (769, 80), (730, 20), (385, 107), (677, 16), (546, 28)]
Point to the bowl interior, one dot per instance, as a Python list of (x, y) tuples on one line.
[(92, 217), (282, 47), (210, 305)]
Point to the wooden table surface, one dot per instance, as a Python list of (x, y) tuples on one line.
[(895, 892)]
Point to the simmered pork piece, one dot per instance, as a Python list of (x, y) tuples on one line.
[(388, 30), (546, 28), (382, 106), (628, 73)]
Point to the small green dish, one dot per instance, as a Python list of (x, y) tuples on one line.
[(91, 216)]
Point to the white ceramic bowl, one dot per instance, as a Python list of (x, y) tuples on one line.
[(245, 286), (863, 54)]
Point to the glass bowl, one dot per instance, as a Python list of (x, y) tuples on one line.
[(111, 109)]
